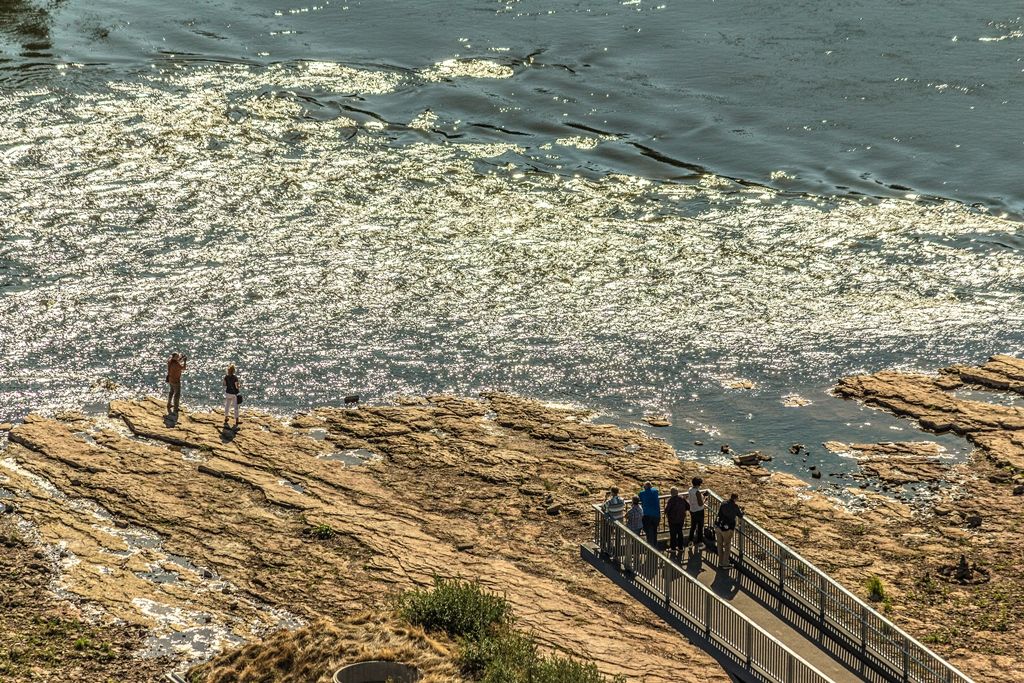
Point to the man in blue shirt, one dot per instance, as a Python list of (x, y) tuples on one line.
[(650, 501)]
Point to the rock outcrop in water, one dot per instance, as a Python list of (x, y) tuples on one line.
[(997, 429), (206, 537)]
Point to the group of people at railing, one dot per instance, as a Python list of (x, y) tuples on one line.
[(643, 517)]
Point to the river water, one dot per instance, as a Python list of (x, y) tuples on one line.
[(624, 205)]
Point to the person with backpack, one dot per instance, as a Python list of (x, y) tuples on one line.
[(675, 513), (175, 366), (725, 525), (232, 394), (695, 497)]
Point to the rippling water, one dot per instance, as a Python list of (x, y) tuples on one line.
[(627, 206)]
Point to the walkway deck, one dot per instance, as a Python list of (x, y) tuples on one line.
[(742, 594), (773, 618)]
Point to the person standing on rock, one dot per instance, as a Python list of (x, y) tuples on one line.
[(725, 525), (232, 387), (650, 501), (175, 366), (696, 500), (675, 515)]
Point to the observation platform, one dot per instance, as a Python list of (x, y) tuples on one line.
[(773, 618)]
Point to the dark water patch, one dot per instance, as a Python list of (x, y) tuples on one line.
[(841, 99)]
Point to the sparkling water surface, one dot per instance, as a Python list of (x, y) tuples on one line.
[(627, 206)]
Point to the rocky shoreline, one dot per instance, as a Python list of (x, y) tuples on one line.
[(190, 538)]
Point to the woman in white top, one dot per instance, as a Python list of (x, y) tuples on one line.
[(232, 387), (696, 500)]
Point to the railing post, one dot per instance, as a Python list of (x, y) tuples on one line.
[(863, 630), (707, 615), (628, 554), (906, 660), (748, 643), (789, 667), (742, 532), (821, 600), (667, 574), (782, 572)]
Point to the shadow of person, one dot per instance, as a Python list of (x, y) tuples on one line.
[(694, 562), (724, 585), (170, 420), (227, 434)]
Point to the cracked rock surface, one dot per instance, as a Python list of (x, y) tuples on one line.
[(212, 539)]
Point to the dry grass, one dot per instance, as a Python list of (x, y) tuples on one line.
[(312, 654)]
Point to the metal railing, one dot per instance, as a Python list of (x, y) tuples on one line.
[(737, 637), (848, 621)]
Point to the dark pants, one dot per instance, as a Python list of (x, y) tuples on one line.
[(651, 530), (696, 527), (675, 535), (174, 397)]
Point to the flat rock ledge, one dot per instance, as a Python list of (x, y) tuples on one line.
[(199, 534)]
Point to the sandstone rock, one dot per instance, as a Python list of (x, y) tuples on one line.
[(485, 479), (753, 458), (658, 420)]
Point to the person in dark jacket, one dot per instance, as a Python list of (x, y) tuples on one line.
[(675, 514), (725, 525)]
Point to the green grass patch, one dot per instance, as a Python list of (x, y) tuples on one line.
[(491, 649)]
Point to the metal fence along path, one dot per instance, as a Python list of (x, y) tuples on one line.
[(774, 618)]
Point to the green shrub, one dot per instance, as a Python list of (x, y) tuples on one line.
[(500, 657), (322, 531), (462, 609), (558, 669), (490, 649), (876, 589), (508, 656)]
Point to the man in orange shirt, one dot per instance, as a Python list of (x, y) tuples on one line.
[(175, 366)]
